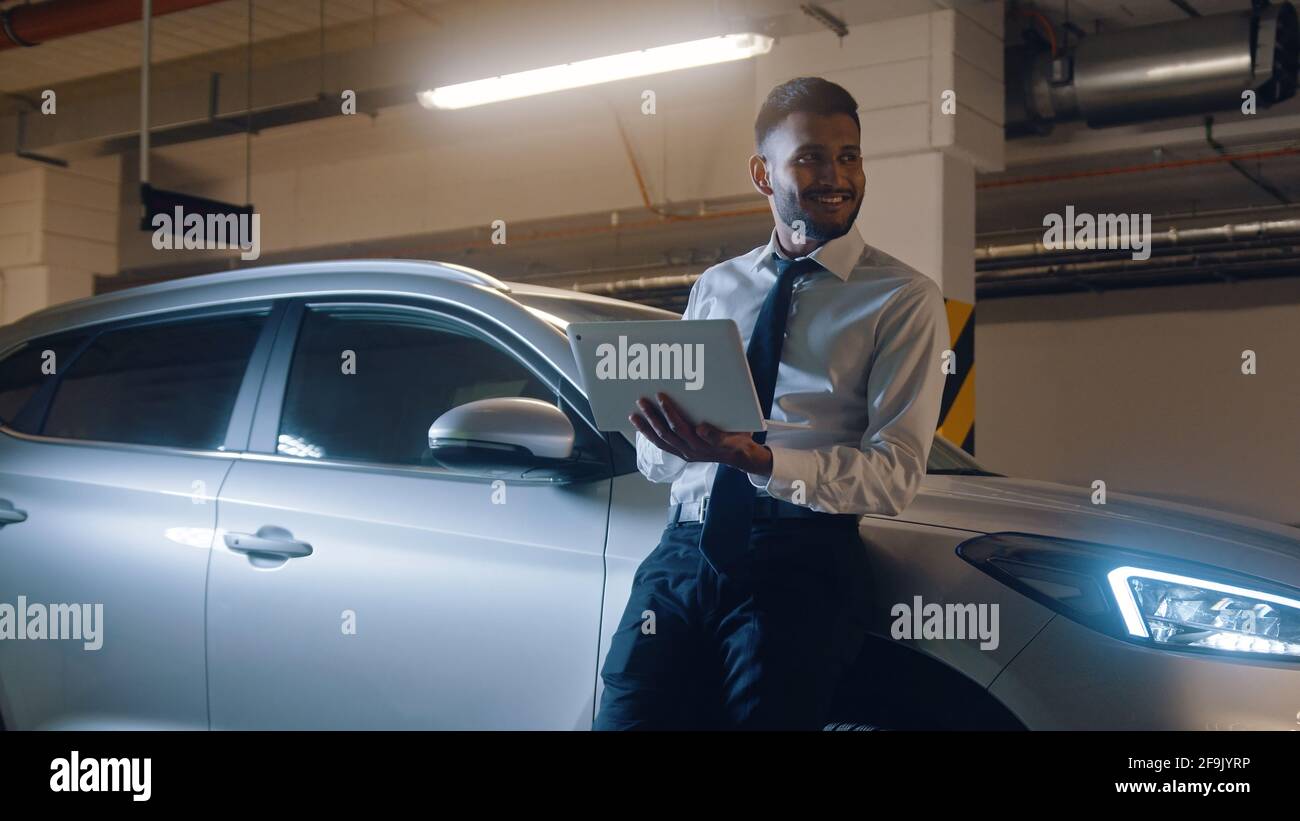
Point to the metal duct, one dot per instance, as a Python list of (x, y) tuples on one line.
[(1191, 66)]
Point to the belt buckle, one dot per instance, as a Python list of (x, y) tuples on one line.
[(704, 508)]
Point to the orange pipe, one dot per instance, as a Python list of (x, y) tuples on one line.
[(36, 23), (1138, 169)]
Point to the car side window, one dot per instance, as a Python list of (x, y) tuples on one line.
[(366, 382), (172, 384), (25, 370)]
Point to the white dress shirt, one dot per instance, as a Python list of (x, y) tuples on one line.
[(861, 364)]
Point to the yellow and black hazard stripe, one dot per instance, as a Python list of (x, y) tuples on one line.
[(957, 414)]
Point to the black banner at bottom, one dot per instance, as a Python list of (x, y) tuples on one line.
[(127, 771)]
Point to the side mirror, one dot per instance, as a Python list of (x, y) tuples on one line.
[(508, 437)]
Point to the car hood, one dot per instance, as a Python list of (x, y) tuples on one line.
[(988, 504)]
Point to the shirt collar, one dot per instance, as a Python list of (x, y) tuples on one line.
[(839, 256)]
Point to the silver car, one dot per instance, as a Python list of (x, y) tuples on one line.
[(369, 494)]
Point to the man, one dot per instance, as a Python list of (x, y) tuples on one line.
[(753, 604)]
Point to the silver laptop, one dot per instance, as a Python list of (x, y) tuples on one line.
[(700, 363)]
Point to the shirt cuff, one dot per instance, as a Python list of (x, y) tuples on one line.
[(668, 460), (792, 474)]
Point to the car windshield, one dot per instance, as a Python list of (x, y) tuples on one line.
[(946, 459)]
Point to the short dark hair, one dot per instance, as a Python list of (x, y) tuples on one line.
[(812, 95)]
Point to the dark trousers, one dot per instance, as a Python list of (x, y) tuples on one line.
[(763, 646)]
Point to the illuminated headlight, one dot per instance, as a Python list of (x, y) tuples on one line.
[(1146, 599), (1180, 610)]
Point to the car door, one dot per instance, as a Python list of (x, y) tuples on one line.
[(402, 595), (115, 442)]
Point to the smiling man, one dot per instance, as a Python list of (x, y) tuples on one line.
[(755, 601)]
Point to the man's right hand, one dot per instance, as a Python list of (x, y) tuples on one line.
[(666, 426)]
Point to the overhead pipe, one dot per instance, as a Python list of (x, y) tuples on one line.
[(1169, 238), (1190, 66), (36, 23), (1279, 260), (1254, 212), (146, 59), (1259, 249), (1227, 264), (1038, 265), (1122, 261), (1270, 261), (1217, 159)]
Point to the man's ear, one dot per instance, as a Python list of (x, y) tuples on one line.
[(758, 175)]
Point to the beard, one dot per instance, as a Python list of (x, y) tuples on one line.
[(789, 208)]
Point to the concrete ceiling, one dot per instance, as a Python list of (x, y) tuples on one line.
[(188, 34), (190, 45), (224, 25)]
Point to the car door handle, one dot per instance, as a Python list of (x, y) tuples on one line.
[(275, 541), (10, 515)]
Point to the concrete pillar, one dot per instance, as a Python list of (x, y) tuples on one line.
[(930, 97), (58, 228)]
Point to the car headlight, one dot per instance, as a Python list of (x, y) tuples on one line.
[(1147, 599), (1182, 610)]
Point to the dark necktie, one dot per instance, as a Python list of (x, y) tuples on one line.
[(730, 513)]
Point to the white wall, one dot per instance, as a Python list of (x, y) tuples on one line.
[(58, 227), (1143, 389)]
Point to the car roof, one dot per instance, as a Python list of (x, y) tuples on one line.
[(525, 289), (396, 276)]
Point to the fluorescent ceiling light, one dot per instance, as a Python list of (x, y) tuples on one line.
[(599, 70)]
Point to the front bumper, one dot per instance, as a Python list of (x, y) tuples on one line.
[(1073, 678)]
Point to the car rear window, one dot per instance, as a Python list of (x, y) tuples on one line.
[(28, 368), (171, 384)]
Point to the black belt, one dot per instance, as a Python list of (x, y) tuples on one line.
[(765, 507)]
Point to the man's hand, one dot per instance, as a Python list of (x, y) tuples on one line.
[(668, 429)]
